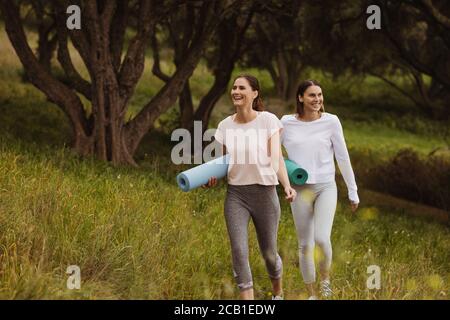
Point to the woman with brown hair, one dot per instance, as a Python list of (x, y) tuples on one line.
[(252, 138), (312, 138)]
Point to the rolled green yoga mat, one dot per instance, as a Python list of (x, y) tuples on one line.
[(297, 175)]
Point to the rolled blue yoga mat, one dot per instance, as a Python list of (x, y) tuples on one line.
[(199, 175), (297, 175)]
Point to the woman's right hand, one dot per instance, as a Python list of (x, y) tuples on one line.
[(291, 194), (212, 182)]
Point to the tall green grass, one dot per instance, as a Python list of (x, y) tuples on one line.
[(134, 234)]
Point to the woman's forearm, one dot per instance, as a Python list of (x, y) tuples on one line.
[(277, 160), (282, 173)]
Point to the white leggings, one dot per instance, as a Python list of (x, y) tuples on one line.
[(313, 211)]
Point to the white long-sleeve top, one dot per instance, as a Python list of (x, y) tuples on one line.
[(312, 146)]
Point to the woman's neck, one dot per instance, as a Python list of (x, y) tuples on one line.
[(246, 114), (310, 116)]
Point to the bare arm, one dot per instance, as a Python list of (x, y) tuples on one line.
[(279, 165)]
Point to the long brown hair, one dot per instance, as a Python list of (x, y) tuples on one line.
[(254, 84), (301, 90)]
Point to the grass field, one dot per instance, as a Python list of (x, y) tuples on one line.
[(134, 235)]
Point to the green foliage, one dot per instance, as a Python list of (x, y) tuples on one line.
[(381, 141), (409, 176)]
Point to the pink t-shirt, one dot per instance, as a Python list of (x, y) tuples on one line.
[(247, 144)]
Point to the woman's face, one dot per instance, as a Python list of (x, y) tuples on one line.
[(242, 93), (312, 99)]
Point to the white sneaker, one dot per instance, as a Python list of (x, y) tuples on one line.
[(277, 297), (325, 289), (313, 298)]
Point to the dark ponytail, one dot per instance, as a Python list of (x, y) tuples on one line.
[(254, 84), (301, 90)]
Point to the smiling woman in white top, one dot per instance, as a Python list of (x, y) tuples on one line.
[(312, 138)]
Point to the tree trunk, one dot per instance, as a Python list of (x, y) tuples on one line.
[(286, 76), (294, 81), (105, 134), (203, 113), (186, 107), (46, 49), (136, 129), (283, 73)]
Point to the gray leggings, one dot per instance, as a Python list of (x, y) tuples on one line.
[(260, 203)]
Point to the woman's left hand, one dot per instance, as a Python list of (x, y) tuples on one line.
[(290, 193), (354, 206)]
